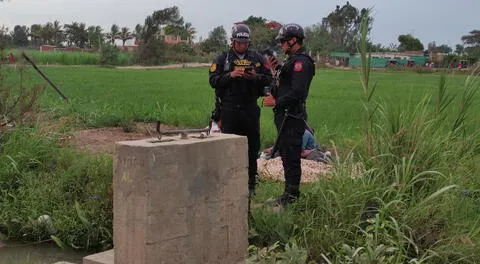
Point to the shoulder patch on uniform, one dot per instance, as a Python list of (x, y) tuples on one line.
[(298, 66), (213, 67)]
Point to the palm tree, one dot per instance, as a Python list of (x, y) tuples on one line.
[(76, 34), (70, 33), (47, 34), (138, 32), (125, 35), (58, 33), (114, 34), (190, 32), (472, 43), (35, 34), (95, 37), (473, 38)]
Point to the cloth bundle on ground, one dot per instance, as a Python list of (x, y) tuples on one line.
[(310, 150)]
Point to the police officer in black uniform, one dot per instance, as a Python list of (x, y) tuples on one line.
[(239, 77), (289, 101)]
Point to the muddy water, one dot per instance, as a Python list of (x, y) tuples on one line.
[(46, 253)]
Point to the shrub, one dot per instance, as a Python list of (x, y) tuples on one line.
[(109, 55), (151, 53)]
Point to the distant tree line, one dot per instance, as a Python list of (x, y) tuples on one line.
[(338, 31)]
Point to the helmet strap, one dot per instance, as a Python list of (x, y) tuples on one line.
[(290, 46)]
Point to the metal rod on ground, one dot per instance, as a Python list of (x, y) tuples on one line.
[(44, 76), (183, 132), (180, 131)]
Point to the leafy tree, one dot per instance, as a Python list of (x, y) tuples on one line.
[(152, 48), (319, 39), (125, 35), (109, 54), (472, 44), (189, 31), (137, 33), (182, 49), (472, 39), (50, 33), (58, 36), (47, 33), (158, 20), (5, 38), (392, 47), (76, 34), (343, 24), (35, 34), (253, 20), (95, 37), (20, 36), (216, 41), (376, 47), (113, 34), (459, 49), (409, 43), (152, 52), (173, 30), (444, 48), (185, 31), (261, 34)]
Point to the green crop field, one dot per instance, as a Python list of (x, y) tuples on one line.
[(183, 97), (66, 57)]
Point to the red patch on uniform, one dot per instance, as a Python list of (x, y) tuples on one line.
[(298, 66)]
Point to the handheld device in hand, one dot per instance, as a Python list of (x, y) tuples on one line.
[(248, 68)]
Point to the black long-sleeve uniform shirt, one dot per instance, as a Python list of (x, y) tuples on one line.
[(295, 77), (238, 92)]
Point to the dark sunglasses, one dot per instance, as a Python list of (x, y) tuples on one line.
[(284, 40)]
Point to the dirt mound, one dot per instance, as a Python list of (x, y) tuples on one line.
[(272, 169)]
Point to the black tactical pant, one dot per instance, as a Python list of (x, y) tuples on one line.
[(244, 121), (290, 147)]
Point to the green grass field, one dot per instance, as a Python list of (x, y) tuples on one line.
[(183, 97), (66, 57)]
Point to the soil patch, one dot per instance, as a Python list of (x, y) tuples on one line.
[(102, 140)]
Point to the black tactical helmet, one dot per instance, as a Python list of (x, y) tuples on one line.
[(289, 31), (241, 33)]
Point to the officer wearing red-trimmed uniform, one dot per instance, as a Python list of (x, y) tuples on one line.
[(239, 77), (289, 101)]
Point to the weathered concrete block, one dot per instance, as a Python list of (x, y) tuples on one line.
[(183, 201), (106, 257)]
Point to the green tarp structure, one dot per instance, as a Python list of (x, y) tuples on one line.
[(402, 62), (419, 60), (340, 54), (374, 63), (382, 63)]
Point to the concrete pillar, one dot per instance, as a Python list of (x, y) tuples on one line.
[(183, 201)]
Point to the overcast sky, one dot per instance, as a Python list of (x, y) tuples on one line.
[(443, 21)]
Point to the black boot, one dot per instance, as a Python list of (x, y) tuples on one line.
[(252, 181), (251, 192), (290, 195)]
